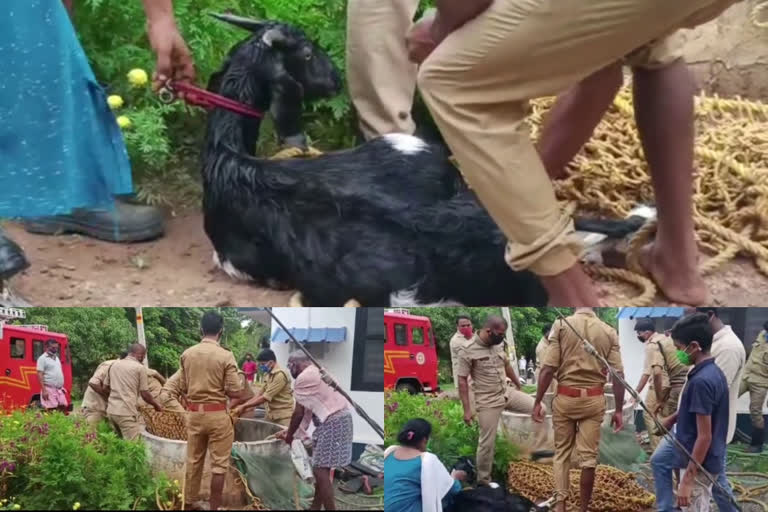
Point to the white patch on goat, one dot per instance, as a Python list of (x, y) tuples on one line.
[(230, 269), (407, 144), (644, 211), (407, 298), (594, 245)]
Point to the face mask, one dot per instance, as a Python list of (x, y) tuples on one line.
[(684, 357), (263, 368), (496, 339), (642, 340), (466, 331)]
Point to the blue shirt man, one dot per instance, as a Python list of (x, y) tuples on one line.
[(702, 420)]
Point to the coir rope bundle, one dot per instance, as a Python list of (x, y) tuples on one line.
[(610, 177), (167, 424), (615, 490)]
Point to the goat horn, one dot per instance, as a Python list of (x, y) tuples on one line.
[(239, 21), (273, 35)]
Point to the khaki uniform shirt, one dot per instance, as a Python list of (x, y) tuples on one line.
[(278, 394), (486, 365), (457, 341), (126, 379), (91, 399), (574, 366), (208, 372), (664, 356), (172, 388), (756, 371), (155, 381), (541, 349)]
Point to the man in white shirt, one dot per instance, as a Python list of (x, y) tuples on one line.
[(51, 377), (730, 356)]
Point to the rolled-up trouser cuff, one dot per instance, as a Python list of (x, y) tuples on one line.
[(657, 54), (554, 252)]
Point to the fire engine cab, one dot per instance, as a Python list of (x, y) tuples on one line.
[(410, 353), (20, 346)]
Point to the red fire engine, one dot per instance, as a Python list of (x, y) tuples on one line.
[(410, 353), (20, 346)]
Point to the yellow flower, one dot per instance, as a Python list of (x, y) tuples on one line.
[(123, 122), (76, 506), (176, 483), (17, 507), (138, 77), (15, 422), (115, 102)]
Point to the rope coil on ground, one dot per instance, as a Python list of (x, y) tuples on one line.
[(609, 177), (754, 16), (614, 491)]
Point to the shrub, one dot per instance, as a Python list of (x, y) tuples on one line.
[(451, 437), (55, 462)]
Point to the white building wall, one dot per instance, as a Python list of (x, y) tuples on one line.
[(336, 358), (633, 355)]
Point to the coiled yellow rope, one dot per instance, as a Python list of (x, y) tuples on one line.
[(610, 177), (755, 14), (295, 152)]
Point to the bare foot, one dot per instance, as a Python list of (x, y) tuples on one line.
[(679, 285)]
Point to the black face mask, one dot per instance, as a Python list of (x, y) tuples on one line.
[(641, 338), (495, 339)]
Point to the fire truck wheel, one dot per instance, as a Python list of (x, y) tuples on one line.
[(407, 386)]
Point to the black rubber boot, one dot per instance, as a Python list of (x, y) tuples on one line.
[(127, 223), (758, 438), (12, 259)]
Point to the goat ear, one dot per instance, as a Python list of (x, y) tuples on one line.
[(275, 37), (238, 21)]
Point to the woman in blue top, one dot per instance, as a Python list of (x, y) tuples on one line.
[(62, 155), (414, 479)]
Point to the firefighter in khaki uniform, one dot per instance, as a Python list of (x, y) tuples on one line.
[(579, 406), (665, 370), (94, 406), (277, 393), (485, 361), (541, 349), (156, 389), (462, 337), (756, 382), (208, 376), (127, 380)]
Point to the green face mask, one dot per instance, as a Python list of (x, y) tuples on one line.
[(684, 357)]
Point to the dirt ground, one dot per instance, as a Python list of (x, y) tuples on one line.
[(71, 270)]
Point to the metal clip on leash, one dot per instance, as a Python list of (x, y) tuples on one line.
[(667, 434)]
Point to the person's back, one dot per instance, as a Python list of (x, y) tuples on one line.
[(575, 366), (126, 379), (730, 356), (209, 371)]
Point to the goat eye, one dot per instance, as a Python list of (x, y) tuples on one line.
[(308, 56)]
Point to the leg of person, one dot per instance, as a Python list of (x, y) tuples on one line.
[(517, 401), (477, 84), (488, 421), (565, 441), (590, 412), (757, 396), (197, 446), (381, 79), (130, 427), (650, 426), (93, 418), (664, 460), (221, 435), (723, 494), (323, 490), (663, 91), (574, 116)]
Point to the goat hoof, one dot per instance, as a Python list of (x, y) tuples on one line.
[(352, 303), (296, 300)]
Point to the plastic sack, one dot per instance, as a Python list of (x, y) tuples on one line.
[(272, 478), (301, 461), (621, 450), (372, 459)]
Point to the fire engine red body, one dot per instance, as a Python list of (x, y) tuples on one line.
[(19, 349), (410, 353)]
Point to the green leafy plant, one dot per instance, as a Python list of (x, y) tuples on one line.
[(55, 462), (451, 437)]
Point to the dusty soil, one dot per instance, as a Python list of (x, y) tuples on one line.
[(176, 270)]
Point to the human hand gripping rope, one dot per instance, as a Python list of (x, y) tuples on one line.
[(660, 426)]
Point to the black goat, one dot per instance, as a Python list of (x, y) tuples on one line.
[(387, 223)]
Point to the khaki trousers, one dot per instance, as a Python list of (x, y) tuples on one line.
[(93, 418), (477, 84), (757, 395), (488, 421), (577, 424), (129, 427), (381, 79), (207, 432), (669, 407)]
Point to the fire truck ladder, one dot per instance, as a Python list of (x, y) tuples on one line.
[(11, 314)]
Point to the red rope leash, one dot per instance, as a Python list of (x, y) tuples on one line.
[(198, 97)]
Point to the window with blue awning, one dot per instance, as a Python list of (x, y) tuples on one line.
[(650, 313)]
